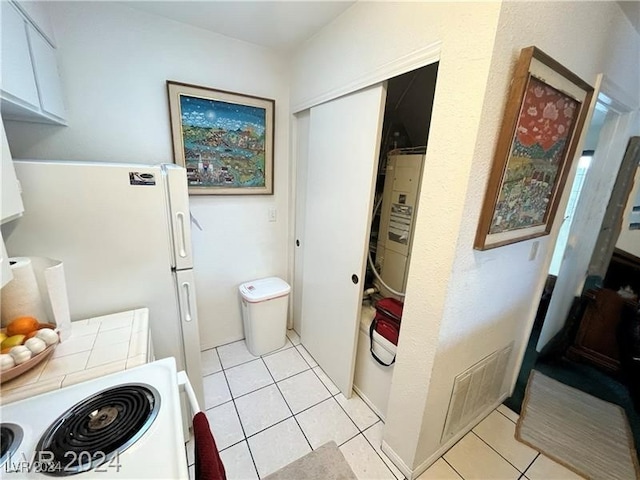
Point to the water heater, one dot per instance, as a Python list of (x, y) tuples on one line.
[(397, 218)]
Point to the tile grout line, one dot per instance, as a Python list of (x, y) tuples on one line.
[(287, 404), (257, 389), (360, 431), (491, 447), (532, 462), (244, 435), (496, 410), (339, 405), (327, 388), (345, 411), (349, 439), (451, 466), (334, 397), (376, 451), (279, 421), (281, 349), (245, 438), (331, 396), (303, 357)]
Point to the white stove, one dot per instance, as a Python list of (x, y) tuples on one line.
[(123, 426)]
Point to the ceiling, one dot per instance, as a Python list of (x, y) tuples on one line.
[(276, 24), (631, 8)]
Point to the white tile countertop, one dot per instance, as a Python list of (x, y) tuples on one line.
[(97, 347)]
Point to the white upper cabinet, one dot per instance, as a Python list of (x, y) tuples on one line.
[(11, 206), (46, 67), (36, 12), (31, 89), (18, 81)]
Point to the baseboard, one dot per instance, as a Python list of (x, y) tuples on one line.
[(413, 474), (397, 461), (420, 469), (369, 403)]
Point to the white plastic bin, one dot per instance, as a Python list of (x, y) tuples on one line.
[(264, 314)]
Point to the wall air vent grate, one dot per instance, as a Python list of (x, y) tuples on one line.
[(474, 390)]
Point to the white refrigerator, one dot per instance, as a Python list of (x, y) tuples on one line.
[(123, 234)]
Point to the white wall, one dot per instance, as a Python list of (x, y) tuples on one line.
[(629, 240), (495, 294), (367, 38), (114, 62), (461, 304), (587, 222)]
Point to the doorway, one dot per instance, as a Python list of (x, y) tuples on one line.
[(551, 330), (339, 147)]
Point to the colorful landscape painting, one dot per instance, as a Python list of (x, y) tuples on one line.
[(545, 125), (224, 143)]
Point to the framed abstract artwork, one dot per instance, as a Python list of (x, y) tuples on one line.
[(543, 120), (223, 139)]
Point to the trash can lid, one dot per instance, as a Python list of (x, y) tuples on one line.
[(264, 289)]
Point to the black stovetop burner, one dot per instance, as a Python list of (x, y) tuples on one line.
[(98, 429), (10, 438)]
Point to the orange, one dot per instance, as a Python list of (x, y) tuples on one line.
[(30, 335), (22, 326)]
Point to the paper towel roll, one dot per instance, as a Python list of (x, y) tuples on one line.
[(21, 296), (53, 290)]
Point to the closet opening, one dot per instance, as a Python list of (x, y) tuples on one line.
[(405, 130)]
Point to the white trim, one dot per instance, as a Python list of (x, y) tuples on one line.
[(420, 469), (292, 192), (369, 403), (615, 97), (396, 460), (416, 59)]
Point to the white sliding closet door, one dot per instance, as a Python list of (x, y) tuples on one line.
[(344, 144)]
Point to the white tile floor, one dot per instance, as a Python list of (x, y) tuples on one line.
[(266, 412)]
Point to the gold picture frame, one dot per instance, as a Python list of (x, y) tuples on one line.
[(543, 120), (224, 139)]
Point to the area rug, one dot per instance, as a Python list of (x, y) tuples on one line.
[(324, 463), (585, 434)]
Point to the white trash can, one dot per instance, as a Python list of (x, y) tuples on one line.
[(264, 314)]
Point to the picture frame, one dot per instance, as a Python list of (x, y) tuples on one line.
[(543, 120), (224, 139)]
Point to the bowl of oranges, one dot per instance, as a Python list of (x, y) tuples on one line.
[(24, 343)]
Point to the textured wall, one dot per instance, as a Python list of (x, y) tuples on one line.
[(114, 62), (461, 304), (364, 39), (495, 294)]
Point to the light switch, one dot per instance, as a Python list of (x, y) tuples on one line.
[(273, 214)]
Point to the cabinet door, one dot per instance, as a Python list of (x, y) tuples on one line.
[(38, 14), (5, 269), (344, 143), (45, 66), (17, 73), (11, 199)]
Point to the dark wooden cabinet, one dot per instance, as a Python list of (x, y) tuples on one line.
[(623, 271), (596, 341)]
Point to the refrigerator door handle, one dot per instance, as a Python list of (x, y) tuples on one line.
[(182, 247), (186, 286)]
